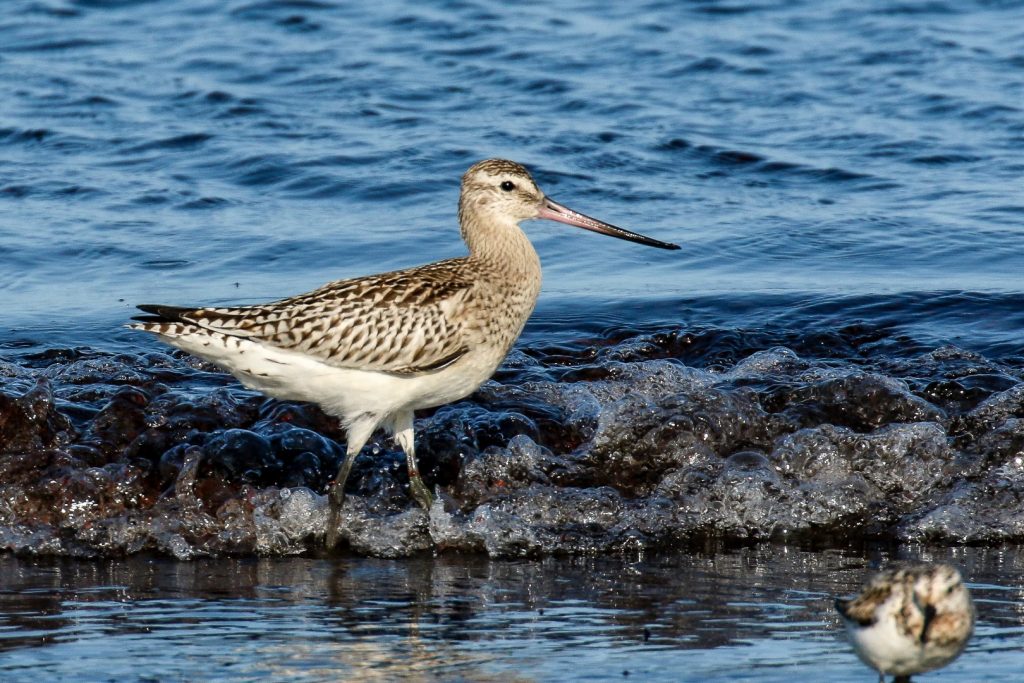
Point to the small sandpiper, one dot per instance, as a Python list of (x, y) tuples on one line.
[(373, 349), (909, 620)]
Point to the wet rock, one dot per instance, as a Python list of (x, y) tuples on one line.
[(987, 511), (964, 394), (172, 460), (120, 421), (456, 435), (306, 470), (94, 493), (219, 409), (997, 445), (498, 471), (995, 409), (307, 458), (559, 416), (241, 455), (97, 369), (859, 401), (171, 419), (898, 459), (31, 422), (151, 445), (638, 439), (11, 370), (300, 415), (447, 441), (750, 464), (610, 444)]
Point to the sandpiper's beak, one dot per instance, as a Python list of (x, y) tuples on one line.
[(554, 211)]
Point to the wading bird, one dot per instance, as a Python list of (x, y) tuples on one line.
[(909, 620), (371, 350)]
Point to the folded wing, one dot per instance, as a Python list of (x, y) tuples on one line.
[(405, 322)]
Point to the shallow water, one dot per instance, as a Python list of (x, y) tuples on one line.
[(834, 357), (761, 613), (213, 151)]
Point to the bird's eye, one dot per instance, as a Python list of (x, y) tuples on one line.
[(508, 186)]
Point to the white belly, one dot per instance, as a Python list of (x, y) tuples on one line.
[(343, 392), (886, 648)]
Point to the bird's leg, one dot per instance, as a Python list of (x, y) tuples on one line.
[(406, 439), (358, 434), (335, 498)]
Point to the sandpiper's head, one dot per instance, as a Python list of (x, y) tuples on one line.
[(941, 588), (500, 191)]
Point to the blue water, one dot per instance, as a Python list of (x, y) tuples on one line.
[(844, 178), (801, 152), (747, 615)]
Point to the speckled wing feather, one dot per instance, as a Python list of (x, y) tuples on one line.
[(862, 609), (403, 322)]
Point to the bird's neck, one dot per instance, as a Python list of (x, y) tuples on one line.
[(502, 245)]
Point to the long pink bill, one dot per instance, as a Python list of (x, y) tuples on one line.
[(552, 210)]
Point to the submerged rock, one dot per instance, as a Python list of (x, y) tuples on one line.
[(614, 445)]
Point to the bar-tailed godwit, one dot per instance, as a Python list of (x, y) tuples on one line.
[(373, 349)]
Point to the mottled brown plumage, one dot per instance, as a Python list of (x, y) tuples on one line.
[(403, 322), (373, 349)]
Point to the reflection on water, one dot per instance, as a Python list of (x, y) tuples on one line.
[(761, 613)]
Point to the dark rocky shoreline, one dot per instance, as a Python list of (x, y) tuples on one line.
[(614, 444)]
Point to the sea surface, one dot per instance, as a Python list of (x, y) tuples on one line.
[(687, 455), (753, 614)]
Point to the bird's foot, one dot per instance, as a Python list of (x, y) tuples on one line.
[(421, 493)]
